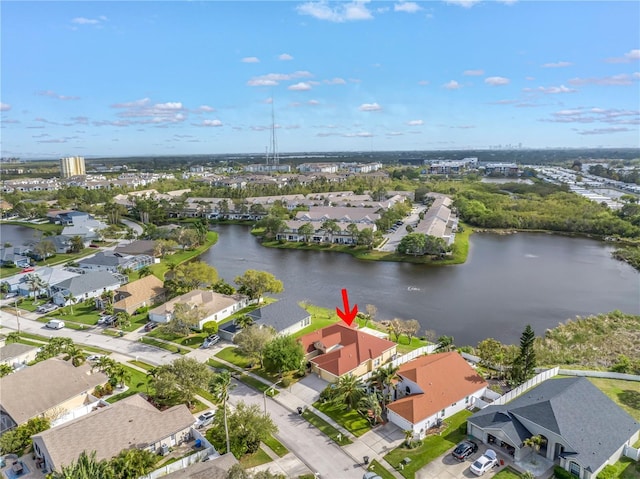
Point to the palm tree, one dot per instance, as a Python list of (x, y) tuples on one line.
[(36, 284), (77, 244), (349, 390), (370, 406), (75, 354), (445, 343), (220, 386), (70, 298), (244, 321), (133, 463), (119, 374), (408, 435), (13, 337), (86, 467), (122, 320), (104, 364), (145, 271), (384, 380), (535, 442)]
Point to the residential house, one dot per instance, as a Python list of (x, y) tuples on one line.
[(59, 388), (67, 217), (50, 276), (216, 306), (285, 316), (86, 228), (114, 262), (85, 286), (321, 214), (439, 220), (217, 468), (17, 355), (145, 247), (581, 427), (14, 256), (343, 236), (130, 423), (338, 349), (432, 388), (143, 292)]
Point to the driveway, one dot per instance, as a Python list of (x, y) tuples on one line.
[(308, 389), (447, 467), (401, 231)]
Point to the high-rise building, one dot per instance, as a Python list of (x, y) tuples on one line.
[(72, 166)]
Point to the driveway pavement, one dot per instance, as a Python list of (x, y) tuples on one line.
[(447, 467), (401, 231), (308, 389)]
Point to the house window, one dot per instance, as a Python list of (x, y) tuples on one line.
[(466, 400), (453, 404), (442, 413), (376, 362), (574, 469)]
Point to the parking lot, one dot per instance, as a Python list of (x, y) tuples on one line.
[(394, 237)]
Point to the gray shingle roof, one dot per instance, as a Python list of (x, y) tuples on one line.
[(592, 425), (88, 282), (105, 258), (12, 350), (281, 315)]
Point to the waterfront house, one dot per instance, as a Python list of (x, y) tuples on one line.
[(115, 262), (285, 316), (338, 349), (581, 427), (432, 388), (89, 285)]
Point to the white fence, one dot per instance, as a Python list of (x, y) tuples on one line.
[(405, 358), (534, 381), (599, 374), (632, 452), (80, 411)]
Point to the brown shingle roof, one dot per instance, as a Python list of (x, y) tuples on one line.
[(215, 469), (38, 388), (346, 348), (131, 422), (138, 291), (210, 301), (445, 378)]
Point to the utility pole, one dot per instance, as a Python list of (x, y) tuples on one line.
[(15, 304)]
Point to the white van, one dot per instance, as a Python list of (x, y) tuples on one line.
[(55, 324)]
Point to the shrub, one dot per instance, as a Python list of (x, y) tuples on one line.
[(98, 391), (210, 327), (560, 473), (609, 472), (463, 427), (107, 389), (286, 382), (142, 310)]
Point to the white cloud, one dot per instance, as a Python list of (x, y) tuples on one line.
[(212, 123), (88, 21), (370, 107), (52, 94), (473, 73), (343, 12), (630, 56), (302, 86), (313, 102), (5, 107), (160, 113), (250, 60), (622, 79), (269, 101), (463, 3), (407, 7), (206, 108), (596, 115), (132, 104), (552, 90), (361, 134), (336, 81), (273, 79), (557, 65), (415, 122), (605, 131), (496, 81), (452, 85), (423, 82), (285, 57)]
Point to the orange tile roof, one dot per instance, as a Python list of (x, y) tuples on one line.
[(444, 378), (351, 348)]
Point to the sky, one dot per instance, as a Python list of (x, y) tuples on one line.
[(123, 78)]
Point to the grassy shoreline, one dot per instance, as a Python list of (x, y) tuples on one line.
[(160, 269)]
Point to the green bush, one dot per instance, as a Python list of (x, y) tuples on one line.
[(560, 473), (210, 327), (286, 382), (142, 310), (463, 427)]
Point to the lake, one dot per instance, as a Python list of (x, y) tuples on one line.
[(507, 282)]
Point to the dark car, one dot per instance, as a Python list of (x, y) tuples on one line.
[(464, 450), (150, 325)]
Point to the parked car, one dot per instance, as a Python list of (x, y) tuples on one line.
[(210, 341), (150, 325), (28, 269), (94, 357), (55, 324), (46, 308), (205, 419), (106, 320), (484, 463), (464, 450), (371, 475)]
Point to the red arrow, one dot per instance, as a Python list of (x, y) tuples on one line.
[(347, 316)]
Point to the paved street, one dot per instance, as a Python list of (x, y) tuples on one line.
[(401, 232)]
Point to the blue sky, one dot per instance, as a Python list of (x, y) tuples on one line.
[(165, 78)]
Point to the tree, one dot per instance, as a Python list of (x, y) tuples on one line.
[(220, 386), (184, 318), (384, 381), (36, 284), (243, 321), (44, 249), (188, 238), (411, 328), (192, 275), (222, 287), (145, 271), (70, 298), (395, 327), (181, 379), (371, 313), (331, 227), (252, 341), (524, 365), (75, 354), (369, 405), (122, 319), (247, 426), (348, 391), (352, 229), (413, 243), (491, 353), (408, 436), (434, 245), (283, 354), (76, 244), (5, 370), (255, 283), (366, 237), (86, 467), (273, 225), (306, 230), (133, 463), (119, 375)]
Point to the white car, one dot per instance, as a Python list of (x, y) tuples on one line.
[(205, 419), (55, 324), (484, 463), (94, 357)]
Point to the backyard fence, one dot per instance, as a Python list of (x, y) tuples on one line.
[(599, 374), (406, 358), (632, 452), (534, 381)]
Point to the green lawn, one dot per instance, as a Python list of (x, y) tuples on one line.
[(320, 318), (352, 420), (627, 468), (326, 428), (625, 394), (193, 340), (217, 364), (142, 365), (380, 470), (431, 447), (507, 473), (161, 268), (276, 446), (256, 384), (257, 458), (160, 344), (233, 356), (138, 383), (82, 313), (6, 271)]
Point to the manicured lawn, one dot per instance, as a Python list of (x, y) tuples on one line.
[(248, 309), (217, 364), (28, 304), (82, 313), (326, 428), (257, 458), (233, 356), (380, 470), (161, 268), (627, 468), (352, 420), (431, 447), (193, 340), (507, 473), (256, 384), (160, 344), (140, 364), (320, 318), (625, 394), (276, 446), (6, 271), (138, 383)]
